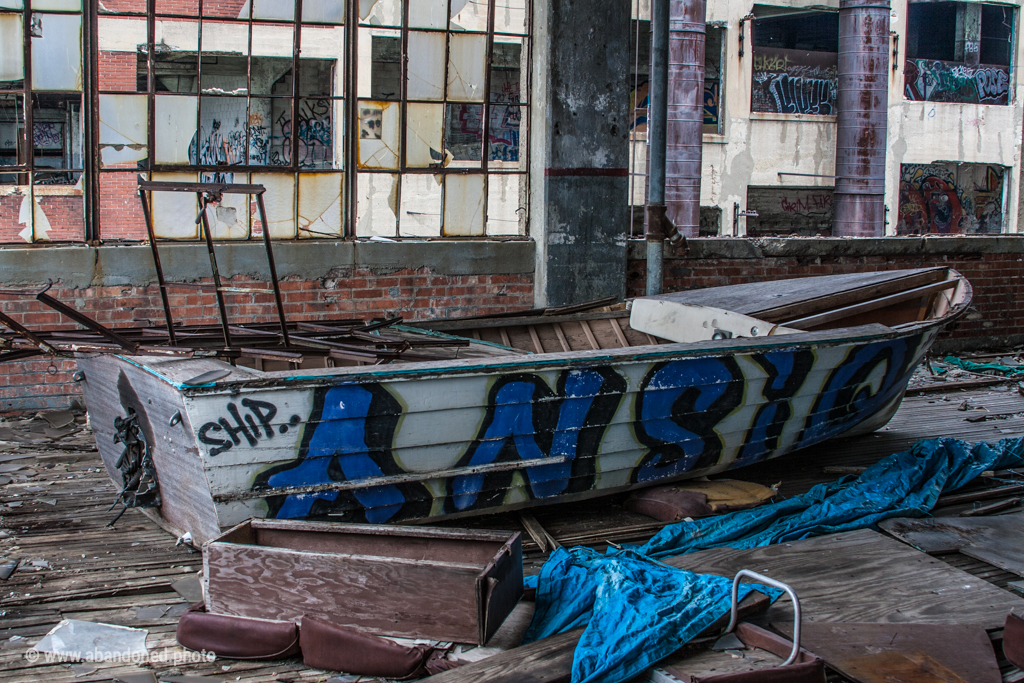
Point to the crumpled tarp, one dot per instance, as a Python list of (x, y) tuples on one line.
[(636, 610), (971, 366), (904, 484)]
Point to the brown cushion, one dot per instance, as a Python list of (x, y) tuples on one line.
[(1013, 640), (326, 645), (237, 637)]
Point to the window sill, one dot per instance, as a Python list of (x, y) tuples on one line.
[(714, 139), (772, 116)]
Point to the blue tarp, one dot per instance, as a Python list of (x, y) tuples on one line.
[(638, 610)]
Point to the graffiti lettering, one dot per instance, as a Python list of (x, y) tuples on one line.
[(771, 62), (261, 414), (929, 80), (794, 81), (806, 205), (936, 198), (798, 95)]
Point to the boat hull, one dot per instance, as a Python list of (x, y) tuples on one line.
[(449, 439)]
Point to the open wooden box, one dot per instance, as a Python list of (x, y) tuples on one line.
[(415, 582)]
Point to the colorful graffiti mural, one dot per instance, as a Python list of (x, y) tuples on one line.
[(931, 80), (794, 81), (639, 101), (950, 199), (587, 428)]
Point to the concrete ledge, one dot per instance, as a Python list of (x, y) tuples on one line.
[(831, 247), (83, 266)]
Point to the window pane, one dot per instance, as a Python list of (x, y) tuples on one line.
[(426, 66), (174, 213), (380, 63), (322, 71), (423, 135), (174, 128), (279, 201), (229, 218), (506, 204), (123, 6), (57, 137), (58, 213), (464, 205), (428, 13), (272, 9), (124, 122), (225, 37), (379, 133), (316, 133), (510, 16), (469, 15), (380, 12), (11, 4), (323, 11), (224, 75), (421, 205), (120, 208), (320, 204), (503, 137), (122, 53), (12, 53), (57, 52), (464, 134), (59, 5), (378, 205), (260, 117), (12, 131), (467, 61), (184, 7)]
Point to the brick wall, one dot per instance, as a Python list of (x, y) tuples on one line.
[(998, 315), (415, 294)]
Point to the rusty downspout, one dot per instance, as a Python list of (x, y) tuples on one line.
[(862, 118), (676, 122)]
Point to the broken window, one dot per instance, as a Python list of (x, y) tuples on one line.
[(789, 211), (950, 198), (442, 111), (41, 124), (640, 58), (958, 52), (795, 63)]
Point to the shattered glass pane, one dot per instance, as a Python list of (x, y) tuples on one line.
[(229, 218), (506, 204), (11, 4), (174, 213), (16, 213), (467, 62), (124, 125), (421, 205), (464, 134), (379, 133), (508, 64), (174, 36), (120, 71), (504, 130), (279, 201), (425, 66), (93, 641), (641, 9), (225, 36), (428, 13), (12, 53), (57, 53), (58, 5), (380, 12), (423, 135), (320, 205), (174, 128), (464, 205), (272, 10), (469, 15), (123, 7), (378, 205), (510, 16), (323, 11), (380, 63)]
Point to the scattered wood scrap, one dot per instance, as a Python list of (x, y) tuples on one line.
[(997, 540)]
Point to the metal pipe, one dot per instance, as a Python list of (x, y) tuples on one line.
[(861, 118), (657, 120), (685, 115)]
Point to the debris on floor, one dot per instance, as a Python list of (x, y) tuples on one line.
[(695, 499), (78, 640)]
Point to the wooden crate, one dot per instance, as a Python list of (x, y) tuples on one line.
[(415, 582)]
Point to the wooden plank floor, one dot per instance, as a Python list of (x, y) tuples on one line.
[(117, 575)]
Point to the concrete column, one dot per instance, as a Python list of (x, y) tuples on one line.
[(580, 216), (861, 119)]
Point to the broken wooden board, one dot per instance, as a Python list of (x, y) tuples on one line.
[(996, 540), (902, 653), (863, 576)]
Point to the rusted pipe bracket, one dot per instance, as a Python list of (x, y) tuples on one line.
[(658, 224)]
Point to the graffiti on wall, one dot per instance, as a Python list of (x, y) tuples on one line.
[(794, 81), (931, 80), (790, 210), (639, 101), (603, 426), (950, 199), (313, 136), (712, 96)]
